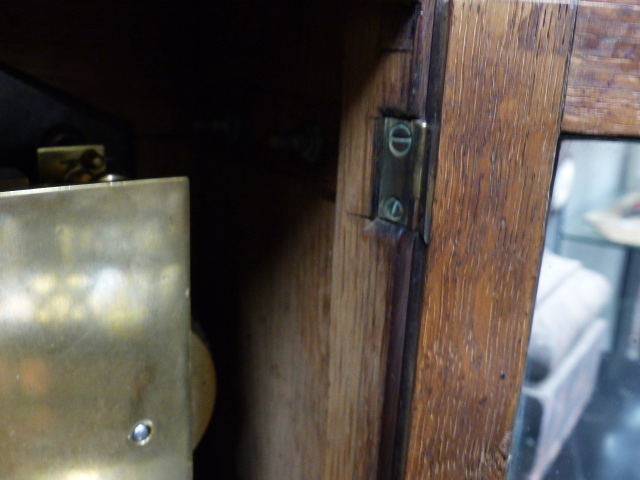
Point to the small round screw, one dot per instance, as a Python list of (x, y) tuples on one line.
[(141, 433), (400, 140), (393, 209)]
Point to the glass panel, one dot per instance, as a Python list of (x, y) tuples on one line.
[(579, 412), (94, 332)]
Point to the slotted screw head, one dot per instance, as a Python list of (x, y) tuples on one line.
[(393, 209)]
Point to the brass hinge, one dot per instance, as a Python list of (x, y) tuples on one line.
[(402, 171)]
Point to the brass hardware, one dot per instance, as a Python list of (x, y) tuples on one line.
[(95, 332), (71, 164), (393, 209), (401, 170)]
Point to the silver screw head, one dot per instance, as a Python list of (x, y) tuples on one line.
[(393, 209), (141, 433)]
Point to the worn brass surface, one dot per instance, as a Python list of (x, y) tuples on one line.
[(94, 332), (71, 164), (401, 165)]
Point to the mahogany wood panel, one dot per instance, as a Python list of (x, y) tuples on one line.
[(603, 92), (265, 245), (386, 65), (504, 86), (284, 331)]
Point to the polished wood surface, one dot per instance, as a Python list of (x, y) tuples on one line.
[(504, 87), (385, 69), (603, 92)]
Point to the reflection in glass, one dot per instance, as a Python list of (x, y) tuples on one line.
[(579, 411)]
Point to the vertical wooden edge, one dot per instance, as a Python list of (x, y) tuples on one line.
[(358, 339), (403, 396), (393, 424), (433, 106), (386, 60), (505, 81)]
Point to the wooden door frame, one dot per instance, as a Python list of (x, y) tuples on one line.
[(505, 78), (517, 74)]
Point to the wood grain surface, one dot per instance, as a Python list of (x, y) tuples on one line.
[(284, 335), (504, 86), (603, 92), (386, 65)]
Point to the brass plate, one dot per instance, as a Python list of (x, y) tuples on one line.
[(94, 332)]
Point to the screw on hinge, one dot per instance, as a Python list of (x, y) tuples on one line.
[(400, 140), (393, 209)]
